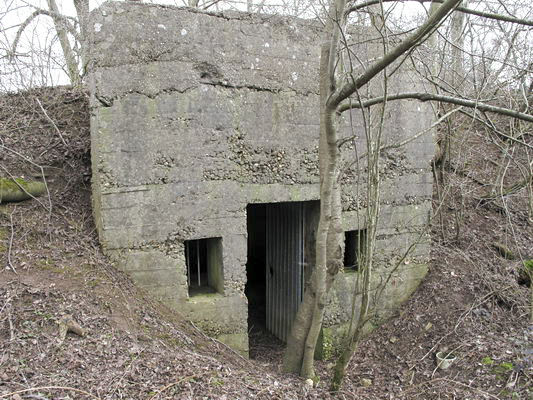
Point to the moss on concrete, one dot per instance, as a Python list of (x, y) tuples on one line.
[(326, 347), (237, 341)]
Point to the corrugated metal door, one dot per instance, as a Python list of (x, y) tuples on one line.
[(284, 265)]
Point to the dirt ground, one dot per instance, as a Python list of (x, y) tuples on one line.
[(474, 301)]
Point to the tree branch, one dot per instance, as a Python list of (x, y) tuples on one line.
[(511, 189), (64, 20), (68, 51), (492, 128), (406, 45), (445, 99), (465, 10)]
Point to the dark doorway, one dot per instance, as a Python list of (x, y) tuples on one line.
[(280, 236), (256, 267)]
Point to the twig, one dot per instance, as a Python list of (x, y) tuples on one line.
[(52, 122), (10, 264), (454, 382), (126, 370), (5, 305), (476, 305), (6, 395), (198, 355), (433, 348), (11, 329), (470, 387), (177, 383), (35, 396), (262, 391), (347, 393)]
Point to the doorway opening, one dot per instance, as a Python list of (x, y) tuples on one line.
[(281, 240), (255, 289)]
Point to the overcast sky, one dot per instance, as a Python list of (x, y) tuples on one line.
[(43, 64), (39, 60)]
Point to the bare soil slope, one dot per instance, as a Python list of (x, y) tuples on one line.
[(134, 348)]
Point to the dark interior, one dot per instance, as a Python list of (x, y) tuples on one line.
[(255, 267), (196, 260), (354, 242)]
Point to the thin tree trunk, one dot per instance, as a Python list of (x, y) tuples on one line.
[(373, 139), (359, 318), (433, 50), (457, 41), (292, 358), (332, 249), (70, 58), (346, 355), (454, 74), (82, 9), (302, 340)]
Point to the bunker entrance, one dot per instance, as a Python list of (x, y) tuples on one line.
[(281, 239)]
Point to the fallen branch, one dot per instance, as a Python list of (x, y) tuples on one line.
[(511, 189), (51, 121), (2, 146), (504, 251), (11, 329)]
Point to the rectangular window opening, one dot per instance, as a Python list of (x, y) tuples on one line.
[(354, 249), (204, 266)]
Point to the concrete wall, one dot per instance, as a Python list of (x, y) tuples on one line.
[(196, 115)]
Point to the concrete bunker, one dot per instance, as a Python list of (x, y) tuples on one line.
[(204, 133)]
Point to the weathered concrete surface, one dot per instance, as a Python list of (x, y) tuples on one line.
[(197, 115)]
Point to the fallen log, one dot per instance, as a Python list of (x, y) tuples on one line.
[(19, 189)]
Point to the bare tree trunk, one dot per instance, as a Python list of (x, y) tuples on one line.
[(359, 316), (82, 9), (433, 46), (457, 42), (70, 58), (454, 74), (373, 138), (302, 340)]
